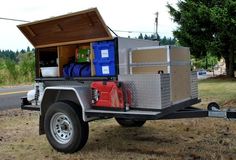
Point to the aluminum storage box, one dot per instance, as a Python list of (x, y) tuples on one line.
[(167, 59), (149, 91), (124, 47)]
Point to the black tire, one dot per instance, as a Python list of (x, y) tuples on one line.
[(213, 106), (130, 122), (64, 127)]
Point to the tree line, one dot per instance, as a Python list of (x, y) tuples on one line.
[(14, 55), (162, 41), (17, 67)]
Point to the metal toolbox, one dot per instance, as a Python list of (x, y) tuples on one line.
[(124, 47), (149, 91), (165, 59)]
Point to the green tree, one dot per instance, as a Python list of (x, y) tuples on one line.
[(11, 68), (28, 49), (207, 26), (8, 54), (146, 37), (2, 64), (140, 36), (164, 41), (208, 62), (27, 66)]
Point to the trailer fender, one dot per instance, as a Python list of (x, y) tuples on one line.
[(79, 95)]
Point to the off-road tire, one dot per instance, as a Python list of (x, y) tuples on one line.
[(64, 127)]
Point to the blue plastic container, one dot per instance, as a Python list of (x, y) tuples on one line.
[(105, 69), (104, 51), (104, 58)]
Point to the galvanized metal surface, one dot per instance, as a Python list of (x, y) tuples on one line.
[(82, 92), (134, 112), (217, 114), (124, 46), (149, 114), (149, 91)]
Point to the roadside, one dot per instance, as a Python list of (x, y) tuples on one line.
[(15, 88), (10, 96)]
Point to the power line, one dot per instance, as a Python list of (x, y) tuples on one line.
[(125, 31), (20, 20), (12, 19), (133, 31)]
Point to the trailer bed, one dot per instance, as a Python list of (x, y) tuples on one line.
[(147, 114)]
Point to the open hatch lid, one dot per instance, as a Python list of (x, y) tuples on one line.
[(79, 27)]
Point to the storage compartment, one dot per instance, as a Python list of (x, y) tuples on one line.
[(52, 61), (148, 91), (66, 56), (47, 62), (104, 58), (165, 59), (124, 46), (67, 39)]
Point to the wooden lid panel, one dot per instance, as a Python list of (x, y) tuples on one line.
[(68, 29)]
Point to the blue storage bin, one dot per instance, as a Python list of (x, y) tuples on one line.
[(105, 69), (104, 51), (104, 58)]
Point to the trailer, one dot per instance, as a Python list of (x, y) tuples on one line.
[(83, 74)]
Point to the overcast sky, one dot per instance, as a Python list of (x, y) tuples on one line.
[(127, 15)]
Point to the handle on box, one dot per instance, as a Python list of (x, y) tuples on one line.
[(105, 61)]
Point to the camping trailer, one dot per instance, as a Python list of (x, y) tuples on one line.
[(83, 74)]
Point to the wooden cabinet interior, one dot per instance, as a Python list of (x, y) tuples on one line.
[(62, 55)]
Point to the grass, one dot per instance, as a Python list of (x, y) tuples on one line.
[(218, 90), (204, 138)]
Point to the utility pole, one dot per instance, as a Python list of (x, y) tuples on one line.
[(156, 22)]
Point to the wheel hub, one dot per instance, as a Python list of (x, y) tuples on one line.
[(61, 128)]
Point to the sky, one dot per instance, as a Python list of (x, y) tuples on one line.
[(124, 15)]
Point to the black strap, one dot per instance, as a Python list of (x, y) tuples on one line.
[(71, 71)]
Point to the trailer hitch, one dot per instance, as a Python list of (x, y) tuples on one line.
[(213, 110)]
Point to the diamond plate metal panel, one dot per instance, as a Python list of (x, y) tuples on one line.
[(149, 91), (165, 90), (194, 85)]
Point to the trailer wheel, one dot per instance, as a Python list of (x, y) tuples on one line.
[(213, 106), (64, 127), (130, 122)]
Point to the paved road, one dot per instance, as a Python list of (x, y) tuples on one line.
[(10, 96)]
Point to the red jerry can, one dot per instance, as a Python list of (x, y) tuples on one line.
[(108, 95)]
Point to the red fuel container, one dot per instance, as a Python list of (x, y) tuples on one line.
[(108, 95)]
